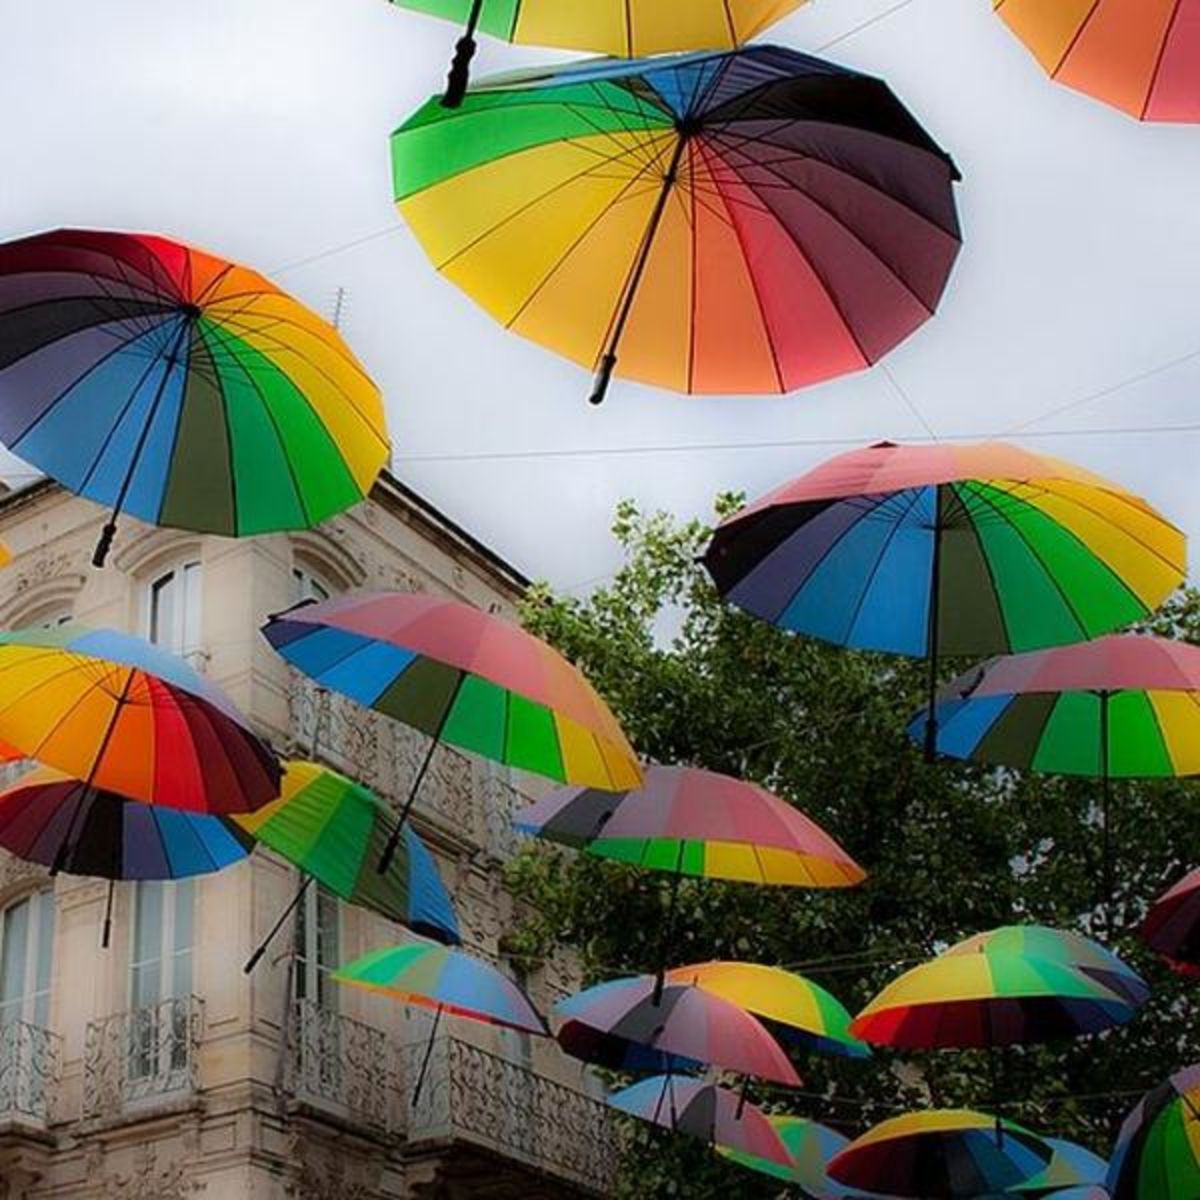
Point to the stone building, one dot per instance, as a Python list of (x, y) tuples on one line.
[(156, 1069)]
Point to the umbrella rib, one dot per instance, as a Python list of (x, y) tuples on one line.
[(973, 527), (1160, 59), (1076, 38)]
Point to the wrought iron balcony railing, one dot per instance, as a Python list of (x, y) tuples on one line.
[(341, 1066), (30, 1065), (135, 1059), (471, 1096)]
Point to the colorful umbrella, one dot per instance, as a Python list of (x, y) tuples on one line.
[(1142, 56), (710, 1114), (334, 830), (158, 380), (947, 550), (793, 1008), (602, 1022), (1172, 926), (1070, 1167), (949, 1153), (1158, 1151), (810, 1147), (460, 676), (118, 713), (742, 222), (448, 981)]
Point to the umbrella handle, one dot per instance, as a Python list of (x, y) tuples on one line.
[(460, 68), (608, 364), (256, 957), (108, 908), (100, 554)]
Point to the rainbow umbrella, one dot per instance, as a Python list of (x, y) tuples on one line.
[(1070, 1167), (1172, 926), (810, 1147), (949, 1153), (334, 831), (1157, 1156), (794, 1009), (947, 550), (706, 1112), (745, 222), (602, 1023), (161, 381), (460, 676), (1142, 56), (447, 981)]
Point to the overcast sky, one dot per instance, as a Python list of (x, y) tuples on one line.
[(259, 129)]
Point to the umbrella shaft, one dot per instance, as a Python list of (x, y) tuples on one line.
[(428, 1055), (935, 589), (253, 960)]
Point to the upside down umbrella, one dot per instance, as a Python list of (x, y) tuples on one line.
[(1142, 56), (944, 550), (624, 28), (1157, 1156), (1071, 1166), (744, 222), (810, 1146), (161, 381), (447, 981), (1172, 926), (334, 831), (954, 1154), (460, 676)]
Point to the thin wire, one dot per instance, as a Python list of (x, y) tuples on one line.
[(908, 400), (867, 24)]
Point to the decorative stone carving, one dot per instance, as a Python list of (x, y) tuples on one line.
[(321, 1171), (149, 1179)]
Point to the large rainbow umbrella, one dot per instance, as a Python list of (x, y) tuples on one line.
[(164, 382), (810, 1146), (1172, 926), (710, 1114), (1143, 56), (743, 222), (1157, 1156), (460, 676), (334, 831), (954, 1154), (1071, 1166), (624, 28), (794, 1009), (947, 550)]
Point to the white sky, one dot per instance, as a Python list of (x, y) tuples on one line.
[(258, 129)]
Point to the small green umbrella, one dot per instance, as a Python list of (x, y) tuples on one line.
[(1158, 1152)]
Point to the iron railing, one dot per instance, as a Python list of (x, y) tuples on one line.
[(30, 1067), (136, 1058)]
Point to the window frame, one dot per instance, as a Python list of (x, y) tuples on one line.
[(33, 1002), (186, 616)]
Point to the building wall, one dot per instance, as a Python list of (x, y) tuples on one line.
[(278, 1102)]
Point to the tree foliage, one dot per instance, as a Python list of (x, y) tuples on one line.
[(950, 850)]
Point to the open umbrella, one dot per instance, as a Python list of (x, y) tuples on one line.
[(682, 1021), (944, 550), (447, 981), (744, 222), (710, 1114), (460, 676), (810, 1146), (619, 27), (1142, 56), (1172, 926), (189, 391), (953, 1154), (1070, 1167), (1157, 1156), (334, 831)]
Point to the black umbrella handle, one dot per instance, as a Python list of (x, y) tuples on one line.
[(256, 957), (460, 68)]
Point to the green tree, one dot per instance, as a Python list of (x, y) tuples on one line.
[(950, 850)]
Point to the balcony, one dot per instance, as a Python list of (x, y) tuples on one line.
[(340, 1067), (140, 1061), (506, 1112), (30, 1064)]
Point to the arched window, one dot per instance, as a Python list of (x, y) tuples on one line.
[(173, 609), (27, 959), (307, 585)]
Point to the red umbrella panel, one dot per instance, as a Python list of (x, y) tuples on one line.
[(1172, 927)]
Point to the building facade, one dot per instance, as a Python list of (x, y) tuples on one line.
[(156, 1069)]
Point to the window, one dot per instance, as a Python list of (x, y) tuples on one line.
[(160, 967), (173, 619), (26, 959), (306, 586), (317, 948)]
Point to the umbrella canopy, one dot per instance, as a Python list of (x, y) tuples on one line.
[(695, 823), (710, 1114), (447, 980), (950, 550), (600, 1023), (810, 1147), (462, 676), (1172, 926), (1120, 707), (948, 1153), (745, 222), (793, 1008), (1157, 1156), (1143, 56), (50, 818), (987, 1000), (335, 830), (1070, 1167), (189, 391), (127, 717)]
